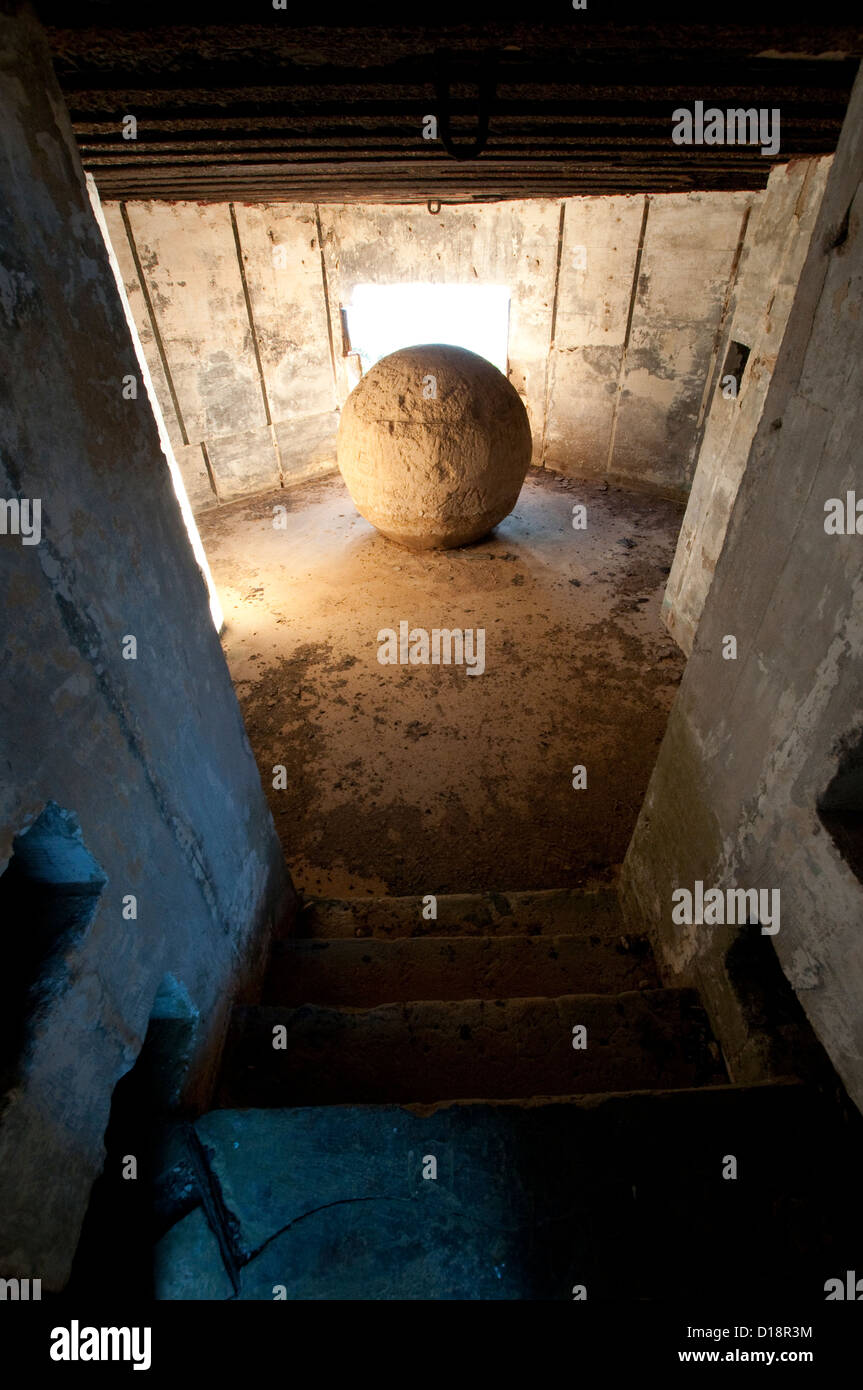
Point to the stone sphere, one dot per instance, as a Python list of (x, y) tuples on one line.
[(434, 445)]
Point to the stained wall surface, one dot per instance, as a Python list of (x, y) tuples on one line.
[(755, 740), (144, 747), (229, 304), (777, 240), (617, 305)]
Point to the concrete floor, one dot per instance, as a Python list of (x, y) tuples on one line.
[(422, 779)]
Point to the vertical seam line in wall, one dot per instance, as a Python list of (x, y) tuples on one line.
[(710, 380), (209, 467), (552, 331), (246, 296), (326, 290), (157, 336), (636, 271), (255, 344)]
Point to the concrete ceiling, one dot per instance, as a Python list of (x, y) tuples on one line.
[(269, 110)]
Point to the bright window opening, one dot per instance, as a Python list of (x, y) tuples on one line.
[(383, 318)]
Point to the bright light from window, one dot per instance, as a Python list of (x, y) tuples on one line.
[(383, 318)]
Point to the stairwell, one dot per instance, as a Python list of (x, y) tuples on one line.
[(500, 1103)]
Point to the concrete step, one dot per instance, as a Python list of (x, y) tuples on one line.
[(626, 1195), (433, 1050), (363, 973), (554, 912)]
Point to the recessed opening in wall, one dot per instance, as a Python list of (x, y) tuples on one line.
[(49, 893), (841, 806), (735, 365), (383, 318)]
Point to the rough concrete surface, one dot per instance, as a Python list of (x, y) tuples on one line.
[(367, 973), (621, 1194), (230, 308), (550, 912), (187, 1263), (420, 779), (434, 446), (772, 257), (753, 743), (687, 263), (149, 754), (614, 311), (432, 1050)]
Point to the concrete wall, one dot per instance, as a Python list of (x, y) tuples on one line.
[(616, 307), (635, 332), (773, 254), (229, 304), (753, 742), (150, 755)]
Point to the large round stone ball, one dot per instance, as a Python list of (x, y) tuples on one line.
[(434, 445)]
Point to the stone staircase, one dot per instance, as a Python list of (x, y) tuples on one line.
[(401, 1014), (424, 1127)]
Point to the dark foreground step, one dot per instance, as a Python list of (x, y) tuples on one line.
[(361, 974), (474, 1048), (550, 913), (624, 1195)]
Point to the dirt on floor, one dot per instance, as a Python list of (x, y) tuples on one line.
[(423, 778)]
